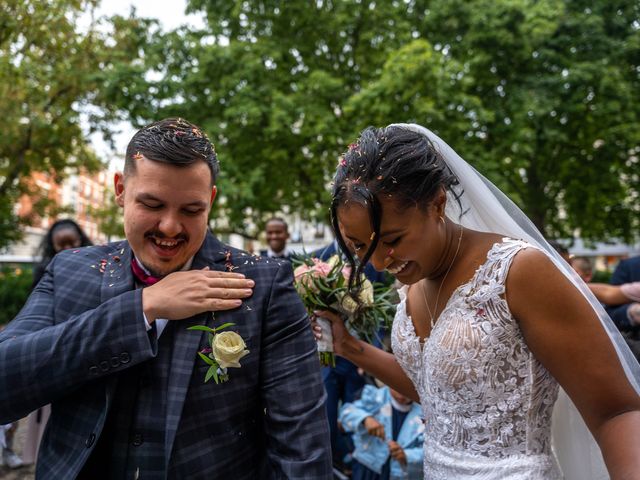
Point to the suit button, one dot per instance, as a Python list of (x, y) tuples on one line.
[(137, 440), (115, 362), (90, 439), (125, 358), (104, 366), (93, 370)]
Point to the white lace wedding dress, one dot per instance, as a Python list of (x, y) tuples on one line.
[(487, 402)]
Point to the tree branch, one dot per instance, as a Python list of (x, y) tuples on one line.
[(17, 167)]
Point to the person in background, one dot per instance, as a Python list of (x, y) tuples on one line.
[(62, 235), (627, 271), (583, 267), (8, 457), (277, 232), (629, 295), (616, 294), (387, 431)]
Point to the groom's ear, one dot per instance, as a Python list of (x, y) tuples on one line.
[(118, 183), (214, 192)]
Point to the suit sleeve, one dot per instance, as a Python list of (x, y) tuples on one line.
[(296, 426), (42, 359), (621, 274), (618, 314)]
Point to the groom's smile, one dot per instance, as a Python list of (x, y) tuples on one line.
[(165, 247), (166, 210)]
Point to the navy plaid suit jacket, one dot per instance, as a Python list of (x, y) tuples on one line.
[(83, 325)]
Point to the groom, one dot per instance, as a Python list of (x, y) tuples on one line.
[(104, 337)]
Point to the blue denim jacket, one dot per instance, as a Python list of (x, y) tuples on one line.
[(373, 452)]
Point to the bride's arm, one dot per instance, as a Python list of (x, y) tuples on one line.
[(382, 365), (565, 334)]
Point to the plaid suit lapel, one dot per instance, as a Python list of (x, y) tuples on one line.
[(186, 342)]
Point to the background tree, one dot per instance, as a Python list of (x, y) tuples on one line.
[(559, 78), (537, 94), (269, 82), (109, 218), (53, 74)]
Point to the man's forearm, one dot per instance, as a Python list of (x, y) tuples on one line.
[(45, 364)]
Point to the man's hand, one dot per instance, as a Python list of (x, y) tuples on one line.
[(374, 427), (397, 452), (181, 295)]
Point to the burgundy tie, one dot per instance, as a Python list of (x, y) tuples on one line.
[(141, 275)]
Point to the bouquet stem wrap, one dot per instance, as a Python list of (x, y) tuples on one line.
[(325, 344)]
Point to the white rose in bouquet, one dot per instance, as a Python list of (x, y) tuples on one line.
[(348, 304)]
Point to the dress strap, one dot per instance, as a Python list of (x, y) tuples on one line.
[(495, 269)]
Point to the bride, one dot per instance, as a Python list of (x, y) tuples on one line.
[(490, 321)]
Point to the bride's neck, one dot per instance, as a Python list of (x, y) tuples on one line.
[(452, 251)]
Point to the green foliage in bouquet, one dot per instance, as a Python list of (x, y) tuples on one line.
[(324, 286)]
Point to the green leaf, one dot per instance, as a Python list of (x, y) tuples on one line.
[(223, 326), (211, 372), (203, 328), (206, 358)]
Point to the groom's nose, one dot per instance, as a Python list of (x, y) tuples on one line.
[(170, 225)]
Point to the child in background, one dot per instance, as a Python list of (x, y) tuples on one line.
[(387, 432)]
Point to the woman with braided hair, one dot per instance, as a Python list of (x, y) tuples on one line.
[(491, 320)]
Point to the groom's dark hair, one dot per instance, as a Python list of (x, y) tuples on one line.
[(174, 141)]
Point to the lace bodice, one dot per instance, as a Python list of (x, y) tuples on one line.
[(486, 400)]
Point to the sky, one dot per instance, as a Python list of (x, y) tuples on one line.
[(170, 15)]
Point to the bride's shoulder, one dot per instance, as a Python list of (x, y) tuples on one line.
[(531, 268)]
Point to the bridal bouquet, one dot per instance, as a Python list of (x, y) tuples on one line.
[(324, 286)]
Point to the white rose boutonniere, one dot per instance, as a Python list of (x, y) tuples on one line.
[(227, 348)]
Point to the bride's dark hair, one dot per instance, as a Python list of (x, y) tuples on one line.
[(395, 162)]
